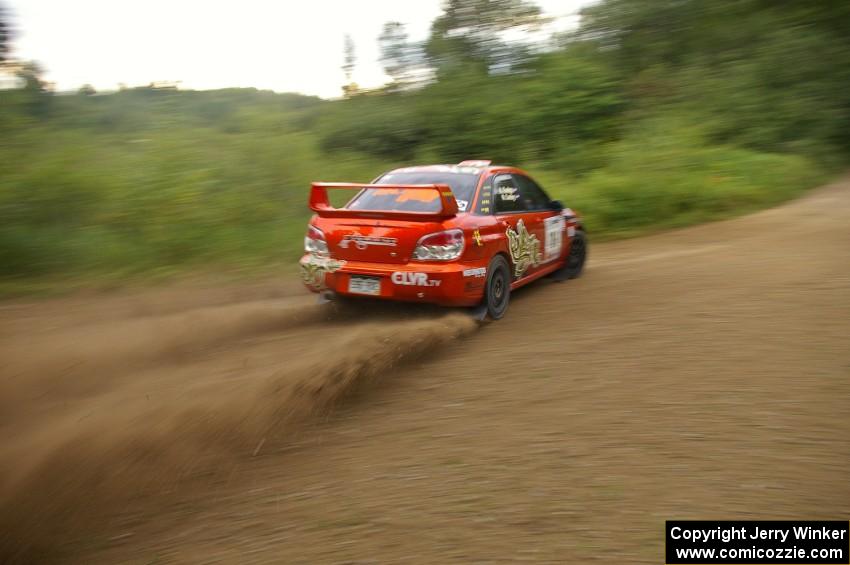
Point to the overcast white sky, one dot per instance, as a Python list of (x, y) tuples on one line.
[(282, 45)]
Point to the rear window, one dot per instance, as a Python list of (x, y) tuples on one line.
[(416, 200)]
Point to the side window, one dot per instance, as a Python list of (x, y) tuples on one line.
[(532, 195), (506, 195), (485, 197)]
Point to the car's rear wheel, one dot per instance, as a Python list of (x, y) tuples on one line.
[(497, 292)]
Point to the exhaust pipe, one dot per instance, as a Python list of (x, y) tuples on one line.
[(326, 296)]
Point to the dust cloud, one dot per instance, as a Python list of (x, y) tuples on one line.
[(107, 415)]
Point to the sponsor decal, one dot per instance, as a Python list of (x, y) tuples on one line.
[(510, 193), (477, 272), (524, 248), (363, 241), (315, 267), (405, 278), (554, 231), (571, 231), (462, 205), (486, 195), (476, 236)]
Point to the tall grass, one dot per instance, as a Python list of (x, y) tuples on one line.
[(162, 187), (663, 177)]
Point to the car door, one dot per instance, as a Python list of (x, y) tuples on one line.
[(549, 219), (523, 227)]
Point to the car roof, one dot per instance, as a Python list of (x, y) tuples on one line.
[(461, 168)]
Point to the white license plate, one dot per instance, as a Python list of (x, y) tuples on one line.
[(364, 285)]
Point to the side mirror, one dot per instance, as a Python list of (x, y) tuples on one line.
[(556, 205)]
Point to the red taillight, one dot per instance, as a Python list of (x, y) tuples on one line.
[(441, 246), (314, 241), (442, 238)]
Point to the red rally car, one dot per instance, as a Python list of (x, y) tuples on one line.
[(455, 235)]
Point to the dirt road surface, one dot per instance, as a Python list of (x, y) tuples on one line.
[(702, 373)]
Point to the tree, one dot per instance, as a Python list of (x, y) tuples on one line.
[(472, 32), (30, 74), (5, 36), (778, 73), (35, 90), (402, 60), (348, 65), (87, 90)]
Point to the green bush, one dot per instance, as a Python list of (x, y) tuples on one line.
[(183, 191), (668, 178)]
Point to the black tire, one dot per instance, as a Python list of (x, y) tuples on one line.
[(497, 290), (574, 265)]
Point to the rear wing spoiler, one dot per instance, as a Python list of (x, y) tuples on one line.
[(320, 204)]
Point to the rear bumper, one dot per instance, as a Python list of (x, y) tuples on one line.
[(449, 284)]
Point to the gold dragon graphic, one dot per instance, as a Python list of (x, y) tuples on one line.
[(524, 248)]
